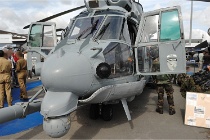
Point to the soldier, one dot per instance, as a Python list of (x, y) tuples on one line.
[(21, 68), (5, 79), (164, 83)]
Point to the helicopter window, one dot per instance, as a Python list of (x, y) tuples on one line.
[(35, 35), (118, 56), (48, 39), (148, 58), (150, 29), (115, 27), (86, 27), (170, 26)]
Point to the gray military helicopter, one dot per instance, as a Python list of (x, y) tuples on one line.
[(105, 56)]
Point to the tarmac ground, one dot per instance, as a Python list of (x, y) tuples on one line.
[(146, 122)]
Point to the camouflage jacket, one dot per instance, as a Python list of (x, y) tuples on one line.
[(163, 79)]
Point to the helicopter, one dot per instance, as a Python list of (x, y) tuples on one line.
[(105, 56)]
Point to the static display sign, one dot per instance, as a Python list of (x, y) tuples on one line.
[(5, 38), (197, 109)]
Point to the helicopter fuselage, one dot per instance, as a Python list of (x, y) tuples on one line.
[(75, 64)]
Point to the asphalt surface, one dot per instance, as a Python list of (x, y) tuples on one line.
[(145, 124)]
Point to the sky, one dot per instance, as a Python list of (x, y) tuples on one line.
[(15, 14)]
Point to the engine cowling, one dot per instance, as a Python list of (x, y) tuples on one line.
[(126, 4)]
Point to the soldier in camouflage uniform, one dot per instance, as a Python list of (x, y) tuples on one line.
[(188, 84), (164, 83), (181, 77)]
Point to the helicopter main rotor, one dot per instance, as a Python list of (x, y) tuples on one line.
[(201, 0), (57, 15)]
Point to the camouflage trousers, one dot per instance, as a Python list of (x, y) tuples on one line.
[(169, 91)]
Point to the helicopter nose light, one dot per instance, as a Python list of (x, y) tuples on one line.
[(103, 70)]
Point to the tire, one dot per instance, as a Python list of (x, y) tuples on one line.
[(107, 112), (94, 111)]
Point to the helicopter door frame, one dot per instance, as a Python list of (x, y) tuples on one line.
[(37, 39), (160, 45), (41, 47)]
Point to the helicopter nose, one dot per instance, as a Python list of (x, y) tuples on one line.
[(70, 72)]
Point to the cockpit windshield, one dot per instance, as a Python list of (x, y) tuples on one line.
[(114, 27), (86, 27)]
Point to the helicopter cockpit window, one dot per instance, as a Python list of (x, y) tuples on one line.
[(118, 56), (86, 27), (35, 36), (115, 27), (150, 33)]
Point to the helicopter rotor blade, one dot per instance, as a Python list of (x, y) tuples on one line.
[(201, 0), (57, 15)]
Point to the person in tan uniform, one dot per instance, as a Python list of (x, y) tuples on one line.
[(5, 79), (21, 69)]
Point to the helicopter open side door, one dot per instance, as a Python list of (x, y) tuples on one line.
[(41, 40), (160, 45)]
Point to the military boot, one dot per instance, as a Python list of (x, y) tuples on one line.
[(172, 111), (159, 110)]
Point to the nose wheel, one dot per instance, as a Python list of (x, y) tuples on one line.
[(94, 111), (105, 111)]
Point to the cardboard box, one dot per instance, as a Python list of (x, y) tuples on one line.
[(197, 111)]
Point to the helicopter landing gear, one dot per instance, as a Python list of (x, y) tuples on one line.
[(94, 111), (107, 112)]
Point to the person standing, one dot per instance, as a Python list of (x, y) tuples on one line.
[(164, 83), (21, 69), (5, 79), (10, 57), (206, 58), (29, 72), (14, 74), (200, 63)]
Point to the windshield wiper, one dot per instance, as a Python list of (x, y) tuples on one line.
[(103, 30), (92, 28)]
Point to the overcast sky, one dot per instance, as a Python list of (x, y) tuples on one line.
[(15, 14)]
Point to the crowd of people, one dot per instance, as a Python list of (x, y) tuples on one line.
[(13, 73), (196, 81), (187, 81), (202, 58)]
